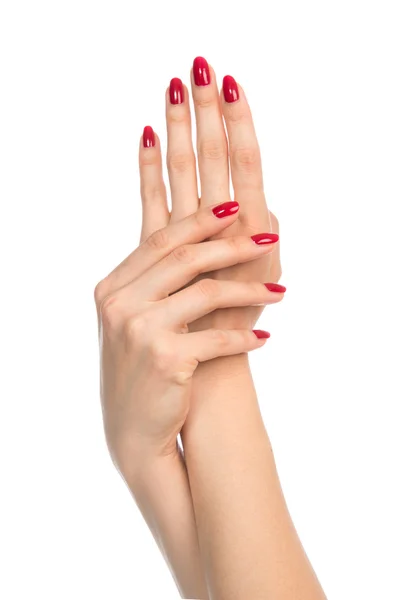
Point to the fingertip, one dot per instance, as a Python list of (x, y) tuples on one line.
[(148, 138), (261, 334), (226, 209)]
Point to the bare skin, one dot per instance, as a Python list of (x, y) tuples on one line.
[(224, 491), (148, 358)]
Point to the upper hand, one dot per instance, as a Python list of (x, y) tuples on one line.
[(215, 149)]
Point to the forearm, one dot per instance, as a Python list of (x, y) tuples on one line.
[(161, 491), (248, 543)]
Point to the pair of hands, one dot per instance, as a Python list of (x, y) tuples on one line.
[(194, 287)]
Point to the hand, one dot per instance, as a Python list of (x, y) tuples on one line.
[(214, 148), (147, 355)]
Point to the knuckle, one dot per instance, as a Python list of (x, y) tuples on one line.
[(154, 193), (246, 159), (200, 219), (110, 311), (159, 240), (220, 337), (147, 159), (100, 291), (234, 244), (162, 356), (183, 254), (205, 101), (235, 113), (176, 115), (180, 163), (134, 329), (213, 149), (208, 288)]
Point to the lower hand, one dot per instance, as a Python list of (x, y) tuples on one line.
[(148, 356)]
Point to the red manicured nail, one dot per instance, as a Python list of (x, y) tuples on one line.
[(230, 89), (226, 209), (201, 71), (259, 333), (275, 287), (265, 238), (148, 137), (176, 91)]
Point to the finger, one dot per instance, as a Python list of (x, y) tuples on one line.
[(186, 262), (153, 193), (199, 226), (212, 343), (212, 152), (207, 295), (245, 160), (275, 267), (181, 161)]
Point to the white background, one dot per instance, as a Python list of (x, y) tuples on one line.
[(331, 88)]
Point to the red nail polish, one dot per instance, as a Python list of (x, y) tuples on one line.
[(148, 137), (226, 209), (230, 89), (275, 287), (259, 333), (176, 91), (201, 71), (265, 238)]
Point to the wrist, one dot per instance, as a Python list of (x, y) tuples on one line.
[(222, 369), (144, 470)]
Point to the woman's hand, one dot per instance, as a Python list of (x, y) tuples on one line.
[(147, 355), (214, 148)]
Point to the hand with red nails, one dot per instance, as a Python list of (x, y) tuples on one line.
[(145, 307), (176, 324), (148, 357), (215, 150), (237, 145)]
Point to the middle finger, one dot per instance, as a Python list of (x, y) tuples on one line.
[(188, 261), (212, 151)]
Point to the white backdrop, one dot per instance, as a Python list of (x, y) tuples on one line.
[(331, 89)]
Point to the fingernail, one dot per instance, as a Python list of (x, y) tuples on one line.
[(201, 71), (259, 333), (226, 209), (265, 238), (148, 137), (176, 91), (230, 89), (275, 287)]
